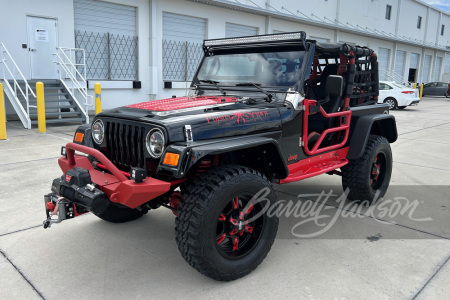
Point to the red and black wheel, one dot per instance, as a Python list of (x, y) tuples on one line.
[(219, 230), (237, 229), (378, 171), (367, 178)]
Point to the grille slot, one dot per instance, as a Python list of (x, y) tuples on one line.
[(125, 144)]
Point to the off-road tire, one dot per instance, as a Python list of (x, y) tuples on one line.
[(356, 174), (119, 214), (392, 100), (195, 225), (401, 107)]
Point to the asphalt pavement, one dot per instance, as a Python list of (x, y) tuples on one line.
[(392, 252)]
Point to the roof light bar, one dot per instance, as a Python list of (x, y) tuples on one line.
[(300, 36)]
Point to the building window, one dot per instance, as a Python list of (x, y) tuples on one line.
[(388, 12), (442, 29), (419, 22)]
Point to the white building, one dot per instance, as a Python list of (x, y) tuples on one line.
[(158, 42)]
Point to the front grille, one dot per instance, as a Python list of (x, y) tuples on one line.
[(125, 144)]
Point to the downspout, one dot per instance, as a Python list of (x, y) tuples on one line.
[(153, 69), (336, 21), (268, 20)]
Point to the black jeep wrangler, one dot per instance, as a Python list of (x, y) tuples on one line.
[(262, 110)]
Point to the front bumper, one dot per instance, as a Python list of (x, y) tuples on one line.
[(116, 186)]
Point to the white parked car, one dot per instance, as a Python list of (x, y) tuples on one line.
[(397, 95)]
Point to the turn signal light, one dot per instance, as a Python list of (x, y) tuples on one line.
[(171, 159), (79, 137)]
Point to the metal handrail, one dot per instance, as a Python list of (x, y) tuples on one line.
[(28, 89), (78, 80), (391, 75)]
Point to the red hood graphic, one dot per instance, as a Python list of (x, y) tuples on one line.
[(182, 102)]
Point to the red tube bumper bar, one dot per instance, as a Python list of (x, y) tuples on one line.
[(116, 186)]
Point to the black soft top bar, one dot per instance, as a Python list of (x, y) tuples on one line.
[(334, 48)]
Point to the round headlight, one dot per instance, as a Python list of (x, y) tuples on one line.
[(98, 131), (155, 143)]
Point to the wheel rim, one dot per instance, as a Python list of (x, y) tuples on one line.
[(236, 237), (378, 171), (391, 103)]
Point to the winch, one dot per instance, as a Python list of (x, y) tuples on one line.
[(73, 194)]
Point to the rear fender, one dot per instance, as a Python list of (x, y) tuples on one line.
[(376, 124)]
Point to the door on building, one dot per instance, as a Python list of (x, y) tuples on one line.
[(437, 69), (182, 44), (235, 30), (383, 62), (42, 44), (426, 68), (413, 63), (399, 65), (447, 64)]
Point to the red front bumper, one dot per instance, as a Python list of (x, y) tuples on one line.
[(116, 185)]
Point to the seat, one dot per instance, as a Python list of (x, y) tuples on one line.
[(319, 92)]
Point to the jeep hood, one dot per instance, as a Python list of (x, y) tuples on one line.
[(209, 116)]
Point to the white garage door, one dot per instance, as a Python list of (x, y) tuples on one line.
[(183, 28), (99, 16), (235, 30), (399, 66), (182, 46), (437, 69), (107, 32), (319, 39), (426, 68), (383, 62), (414, 61), (447, 64)]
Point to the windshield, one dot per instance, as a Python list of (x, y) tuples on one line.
[(268, 69)]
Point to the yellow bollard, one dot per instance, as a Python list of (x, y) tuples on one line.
[(40, 106), (98, 98), (415, 85), (2, 115), (421, 91)]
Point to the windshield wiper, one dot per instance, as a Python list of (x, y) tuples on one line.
[(257, 85), (215, 83)]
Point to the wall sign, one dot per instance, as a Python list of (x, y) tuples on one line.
[(41, 35)]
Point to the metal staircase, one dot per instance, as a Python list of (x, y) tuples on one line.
[(60, 106), (391, 75), (61, 95)]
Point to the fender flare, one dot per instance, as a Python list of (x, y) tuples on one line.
[(379, 124), (192, 153)]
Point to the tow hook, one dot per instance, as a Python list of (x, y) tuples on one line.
[(58, 209)]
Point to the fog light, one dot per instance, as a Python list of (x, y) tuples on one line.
[(171, 159), (138, 174)]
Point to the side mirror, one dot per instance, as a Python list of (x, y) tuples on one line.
[(335, 85)]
